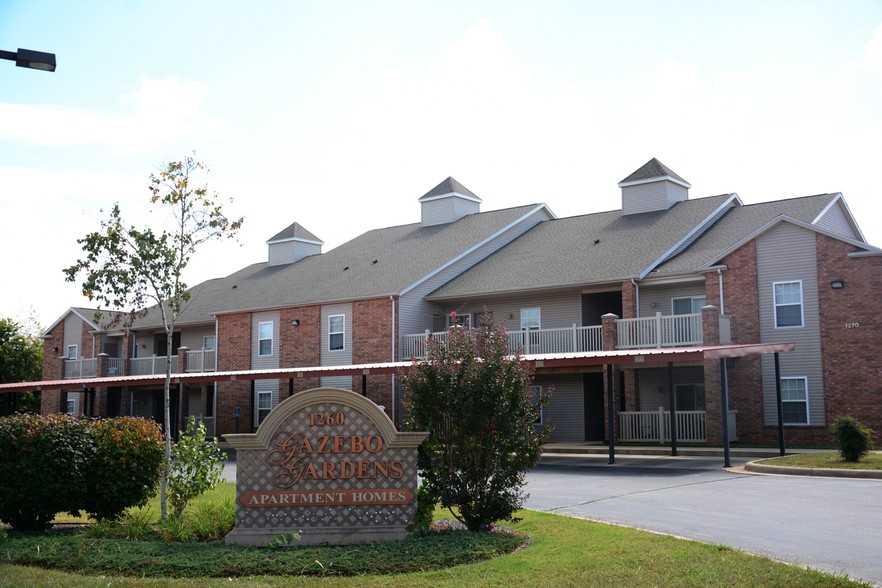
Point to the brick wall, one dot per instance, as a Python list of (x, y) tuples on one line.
[(372, 340), (299, 346), (851, 333), (50, 400), (234, 353), (741, 295)]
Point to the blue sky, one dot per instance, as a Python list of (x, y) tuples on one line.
[(339, 115)]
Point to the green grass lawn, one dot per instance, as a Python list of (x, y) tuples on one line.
[(563, 552), (832, 460)]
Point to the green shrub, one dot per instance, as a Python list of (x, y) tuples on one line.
[(43, 463), (125, 468), (196, 467), (853, 439), (478, 404), (212, 521)]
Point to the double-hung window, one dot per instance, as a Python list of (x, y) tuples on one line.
[(265, 338), (531, 319), (73, 352), (788, 304), (336, 332), (794, 401), (264, 404)]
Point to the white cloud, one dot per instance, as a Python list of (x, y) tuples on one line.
[(158, 112)]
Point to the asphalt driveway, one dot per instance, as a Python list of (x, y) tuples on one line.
[(831, 524)]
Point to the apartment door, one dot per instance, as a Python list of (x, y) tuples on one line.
[(592, 390)]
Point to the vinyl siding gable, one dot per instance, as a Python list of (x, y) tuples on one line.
[(787, 253)]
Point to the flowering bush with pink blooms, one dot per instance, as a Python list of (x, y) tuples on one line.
[(479, 407)]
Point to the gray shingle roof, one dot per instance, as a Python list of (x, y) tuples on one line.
[(376, 263), (650, 170), (740, 223), (295, 231), (595, 248), (449, 186)]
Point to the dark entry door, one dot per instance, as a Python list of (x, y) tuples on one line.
[(592, 388)]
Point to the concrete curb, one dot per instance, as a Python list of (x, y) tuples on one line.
[(757, 467)]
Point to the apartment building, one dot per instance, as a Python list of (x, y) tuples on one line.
[(664, 272)]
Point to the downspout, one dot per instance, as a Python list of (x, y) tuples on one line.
[(214, 400), (722, 303), (636, 298), (392, 299)]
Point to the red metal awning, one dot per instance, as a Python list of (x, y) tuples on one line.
[(629, 357)]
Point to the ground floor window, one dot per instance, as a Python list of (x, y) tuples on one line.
[(690, 396), (71, 407), (794, 401), (264, 404)]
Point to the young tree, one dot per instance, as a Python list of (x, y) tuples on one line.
[(128, 269), (479, 406), (21, 360)]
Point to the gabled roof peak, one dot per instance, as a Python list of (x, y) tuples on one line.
[(651, 170), (449, 186)]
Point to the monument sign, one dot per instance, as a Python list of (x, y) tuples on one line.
[(329, 465)]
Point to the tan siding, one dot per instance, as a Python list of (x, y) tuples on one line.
[(343, 357), (651, 196), (192, 338), (654, 391), (788, 253), (835, 221), (557, 311), (566, 408), (662, 297), (268, 362), (73, 335)]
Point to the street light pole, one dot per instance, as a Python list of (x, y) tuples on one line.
[(30, 59)]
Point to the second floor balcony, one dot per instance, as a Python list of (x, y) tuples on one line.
[(198, 360), (683, 330)]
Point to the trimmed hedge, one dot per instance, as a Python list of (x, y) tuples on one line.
[(57, 463)]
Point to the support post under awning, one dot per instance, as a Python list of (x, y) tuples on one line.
[(610, 411)]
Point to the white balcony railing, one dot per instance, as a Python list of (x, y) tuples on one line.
[(680, 330), (80, 368), (655, 426), (142, 366), (201, 360), (116, 366), (568, 340)]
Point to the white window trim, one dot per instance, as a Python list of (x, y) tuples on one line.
[(801, 305), (538, 315), (270, 339), (71, 406), (808, 415), (342, 332), (75, 354), (205, 341), (258, 409)]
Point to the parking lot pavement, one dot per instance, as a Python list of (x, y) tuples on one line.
[(831, 524)]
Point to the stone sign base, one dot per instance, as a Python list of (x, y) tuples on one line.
[(329, 465)]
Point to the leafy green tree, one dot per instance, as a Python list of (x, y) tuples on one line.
[(131, 270), (196, 466), (21, 360), (479, 406)]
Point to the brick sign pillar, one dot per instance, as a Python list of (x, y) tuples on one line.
[(329, 465)]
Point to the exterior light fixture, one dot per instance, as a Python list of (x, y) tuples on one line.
[(837, 284), (30, 59), (295, 322)]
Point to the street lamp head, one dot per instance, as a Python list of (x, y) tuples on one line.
[(31, 59)]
